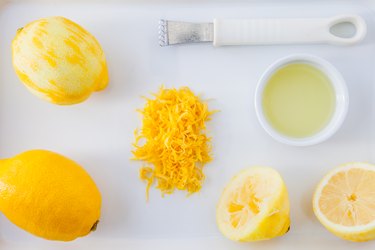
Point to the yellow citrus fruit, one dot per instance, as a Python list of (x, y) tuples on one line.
[(59, 61), (344, 201), (254, 206), (49, 195)]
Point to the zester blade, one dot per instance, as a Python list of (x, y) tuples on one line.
[(175, 32)]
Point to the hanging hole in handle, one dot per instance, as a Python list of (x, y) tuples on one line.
[(343, 30), (346, 29)]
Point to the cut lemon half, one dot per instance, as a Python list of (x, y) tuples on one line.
[(344, 201), (254, 206)]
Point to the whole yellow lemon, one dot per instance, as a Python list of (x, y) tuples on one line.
[(49, 195), (59, 61)]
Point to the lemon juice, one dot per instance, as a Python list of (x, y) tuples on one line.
[(298, 100)]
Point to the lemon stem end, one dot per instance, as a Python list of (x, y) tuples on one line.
[(93, 228)]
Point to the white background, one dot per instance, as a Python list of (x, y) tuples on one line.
[(99, 132)]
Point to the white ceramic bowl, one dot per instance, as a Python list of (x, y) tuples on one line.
[(341, 93)]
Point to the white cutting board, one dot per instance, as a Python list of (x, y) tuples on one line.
[(99, 132)]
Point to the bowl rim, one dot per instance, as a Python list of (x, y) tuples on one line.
[(341, 94)]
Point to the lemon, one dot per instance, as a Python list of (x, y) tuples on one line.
[(254, 206), (344, 201), (59, 61), (48, 195)]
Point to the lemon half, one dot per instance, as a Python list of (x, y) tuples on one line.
[(344, 201), (254, 206)]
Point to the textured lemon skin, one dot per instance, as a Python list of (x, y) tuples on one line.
[(349, 234), (48, 195), (59, 61), (275, 223)]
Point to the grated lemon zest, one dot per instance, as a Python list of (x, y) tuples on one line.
[(176, 147)]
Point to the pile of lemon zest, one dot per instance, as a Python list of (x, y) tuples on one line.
[(176, 147)]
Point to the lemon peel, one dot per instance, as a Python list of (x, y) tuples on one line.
[(175, 146)]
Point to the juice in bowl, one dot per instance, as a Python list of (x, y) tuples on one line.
[(301, 100)]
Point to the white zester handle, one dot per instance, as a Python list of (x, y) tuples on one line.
[(285, 31)]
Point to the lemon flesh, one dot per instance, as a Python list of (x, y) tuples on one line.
[(344, 201), (254, 206), (48, 195), (59, 61)]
